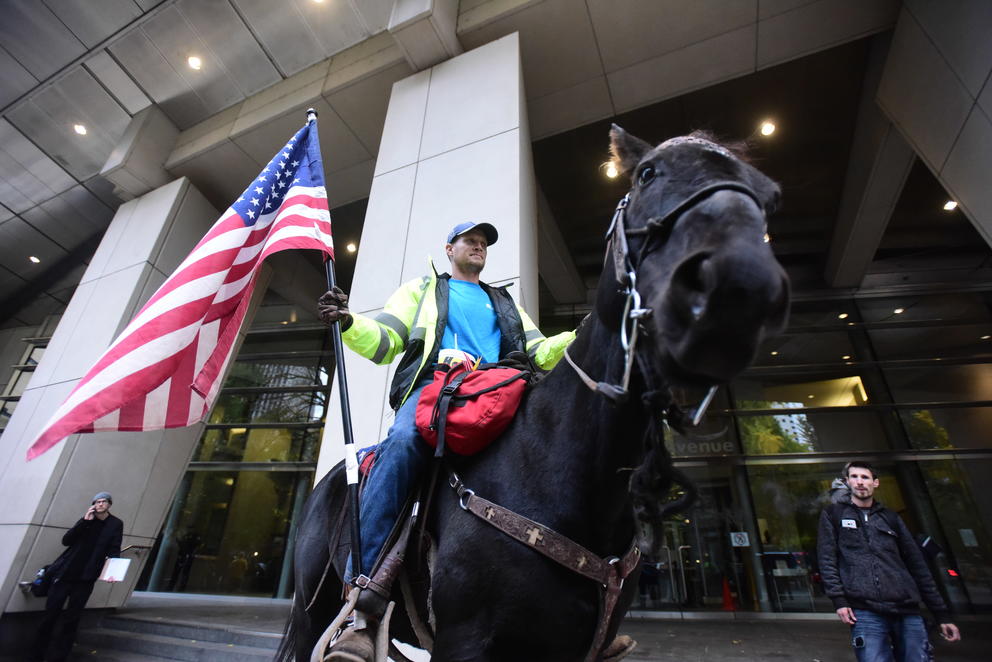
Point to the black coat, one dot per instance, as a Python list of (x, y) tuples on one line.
[(874, 564), (85, 557)]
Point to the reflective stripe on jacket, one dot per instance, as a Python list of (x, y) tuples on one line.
[(413, 322)]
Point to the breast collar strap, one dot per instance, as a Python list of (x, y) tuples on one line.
[(626, 276)]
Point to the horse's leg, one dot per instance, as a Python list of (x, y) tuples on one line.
[(317, 596)]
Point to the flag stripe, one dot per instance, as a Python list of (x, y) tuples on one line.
[(164, 369)]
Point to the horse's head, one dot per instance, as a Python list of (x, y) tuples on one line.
[(695, 226)]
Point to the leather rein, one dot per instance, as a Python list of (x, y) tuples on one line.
[(625, 271)]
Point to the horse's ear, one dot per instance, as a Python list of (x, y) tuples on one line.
[(627, 150)]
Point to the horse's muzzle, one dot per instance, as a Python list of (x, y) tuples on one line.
[(719, 307)]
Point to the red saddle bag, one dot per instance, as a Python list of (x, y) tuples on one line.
[(465, 409)]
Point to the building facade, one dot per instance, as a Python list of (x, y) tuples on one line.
[(431, 113)]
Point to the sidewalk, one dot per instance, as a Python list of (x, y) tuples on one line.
[(720, 639), (798, 640)]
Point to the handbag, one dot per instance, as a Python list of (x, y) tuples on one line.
[(466, 409), (46, 576)]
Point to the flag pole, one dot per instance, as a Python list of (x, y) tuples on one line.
[(350, 454)]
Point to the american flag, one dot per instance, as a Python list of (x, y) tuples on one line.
[(165, 369)]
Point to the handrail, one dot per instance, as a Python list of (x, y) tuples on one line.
[(135, 547)]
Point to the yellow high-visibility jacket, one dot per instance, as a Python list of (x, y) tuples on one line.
[(413, 322)]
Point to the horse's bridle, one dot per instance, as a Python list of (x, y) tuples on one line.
[(625, 269)]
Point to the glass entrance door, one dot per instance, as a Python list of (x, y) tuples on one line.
[(696, 565)]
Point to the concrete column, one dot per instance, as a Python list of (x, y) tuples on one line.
[(455, 147), (146, 241), (937, 89)]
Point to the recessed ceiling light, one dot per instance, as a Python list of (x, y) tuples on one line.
[(767, 128), (79, 128), (845, 357), (351, 248), (899, 311), (611, 170), (950, 205), (842, 316), (774, 353), (34, 259), (194, 62)]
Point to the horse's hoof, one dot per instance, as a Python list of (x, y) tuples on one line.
[(353, 646), (619, 648)]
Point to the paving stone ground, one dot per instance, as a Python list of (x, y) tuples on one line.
[(720, 639)]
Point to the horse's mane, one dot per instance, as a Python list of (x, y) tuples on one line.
[(739, 148)]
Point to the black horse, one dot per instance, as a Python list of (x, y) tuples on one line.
[(690, 271)]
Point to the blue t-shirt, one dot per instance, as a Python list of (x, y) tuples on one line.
[(472, 320)]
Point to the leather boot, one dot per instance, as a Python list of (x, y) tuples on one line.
[(619, 648), (357, 642), (354, 645)]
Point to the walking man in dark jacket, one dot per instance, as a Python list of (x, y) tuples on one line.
[(876, 575), (94, 538)]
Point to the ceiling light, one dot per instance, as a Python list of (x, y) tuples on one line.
[(842, 316), (845, 357), (767, 128), (351, 248), (899, 311), (810, 396), (34, 259), (611, 170), (194, 62), (774, 353), (79, 128), (950, 205), (986, 337)]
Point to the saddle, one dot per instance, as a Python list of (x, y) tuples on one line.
[(487, 407)]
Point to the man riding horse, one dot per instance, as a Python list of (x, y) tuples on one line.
[(466, 315), (689, 290)]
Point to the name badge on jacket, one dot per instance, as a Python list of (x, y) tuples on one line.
[(849, 523)]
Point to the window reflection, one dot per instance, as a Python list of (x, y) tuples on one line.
[(837, 392), (269, 407), (228, 534), (963, 513), (239, 444), (951, 427)]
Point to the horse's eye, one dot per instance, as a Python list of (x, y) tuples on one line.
[(646, 174)]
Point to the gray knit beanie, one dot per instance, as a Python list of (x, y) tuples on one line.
[(102, 495)]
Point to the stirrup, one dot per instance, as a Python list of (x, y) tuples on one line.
[(324, 651)]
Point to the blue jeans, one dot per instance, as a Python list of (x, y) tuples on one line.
[(890, 637), (400, 459)]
